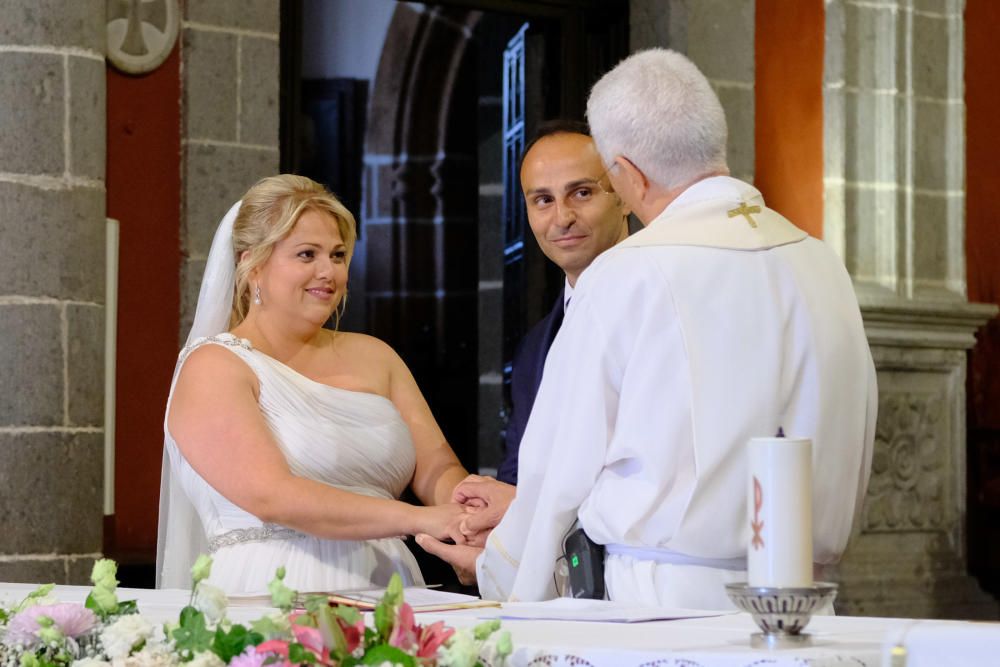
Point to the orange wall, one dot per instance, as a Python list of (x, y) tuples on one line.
[(144, 194), (982, 227), (789, 109)]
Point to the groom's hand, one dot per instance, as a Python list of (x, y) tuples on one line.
[(486, 500), (462, 558)]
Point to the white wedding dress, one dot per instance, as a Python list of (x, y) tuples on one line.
[(352, 440)]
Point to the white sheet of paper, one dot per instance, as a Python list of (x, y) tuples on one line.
[(570, 609)]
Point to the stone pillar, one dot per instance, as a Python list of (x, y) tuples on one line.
[(229, 77), (718, 36), (894, 158), (52, 259)]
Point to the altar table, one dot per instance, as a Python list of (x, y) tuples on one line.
[(720, 641)]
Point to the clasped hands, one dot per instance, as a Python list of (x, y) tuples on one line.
[(484, 501)]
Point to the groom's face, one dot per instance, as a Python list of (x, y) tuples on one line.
[(571, 209)]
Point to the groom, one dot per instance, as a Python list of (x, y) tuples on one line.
[(718, 322), (574, 219)]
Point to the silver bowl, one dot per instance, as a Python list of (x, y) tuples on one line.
[(781, 613)]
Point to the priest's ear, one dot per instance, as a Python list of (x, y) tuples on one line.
[(633, 178)]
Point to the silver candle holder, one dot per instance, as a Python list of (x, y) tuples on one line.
[(781, 613)]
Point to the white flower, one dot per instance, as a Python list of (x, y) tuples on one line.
[(90, 662), (206, 659), (146, 658), (124, 635), (211, 601), (461, 650)]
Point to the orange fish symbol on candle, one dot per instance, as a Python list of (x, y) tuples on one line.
[(757, 524)]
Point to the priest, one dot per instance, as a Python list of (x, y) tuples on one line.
[(718, 322)]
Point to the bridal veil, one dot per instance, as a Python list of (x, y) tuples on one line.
[(180, 536)]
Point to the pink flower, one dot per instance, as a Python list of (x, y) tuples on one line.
[(72, 620), (249, 658), (353, 634), (274, 647), (432, 637), (404, 632), (312, 640)]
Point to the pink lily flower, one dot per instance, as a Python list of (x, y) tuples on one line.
[(432, 637), (405, 631)]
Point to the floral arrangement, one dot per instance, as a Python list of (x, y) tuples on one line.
[(40, 631)]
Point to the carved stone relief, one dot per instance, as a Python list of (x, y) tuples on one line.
[(910, 464)]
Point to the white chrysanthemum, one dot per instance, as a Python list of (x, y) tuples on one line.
[(206, 659), (90, 662), (211, 601), (125, 634)]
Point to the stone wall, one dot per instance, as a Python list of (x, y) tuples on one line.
[(52, 259), (230, 78), (718, 36), (894, 168)]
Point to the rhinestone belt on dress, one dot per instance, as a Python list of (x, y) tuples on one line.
[(268, 531)]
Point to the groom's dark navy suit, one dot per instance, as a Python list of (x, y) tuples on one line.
[(526, 375)]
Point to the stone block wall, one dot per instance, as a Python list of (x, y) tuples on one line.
[(230, 97), (52, 262), (894, 200), (718, 36)]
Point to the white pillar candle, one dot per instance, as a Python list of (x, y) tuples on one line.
[(780, 512)]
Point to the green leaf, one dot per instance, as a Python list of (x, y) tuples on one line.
[(192, 635), (388, 606), (228, 645), (91, 604), (330, 630), (30, 598), (395, 588), (299, 655), (268, 628), (486, 628), (391, 654), (383, 621), (313, 603), (127, 607), (282, 596)]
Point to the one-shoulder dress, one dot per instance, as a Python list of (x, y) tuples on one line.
[(354, 441)]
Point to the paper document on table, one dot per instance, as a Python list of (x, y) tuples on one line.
[(570, 609), (419, 598)]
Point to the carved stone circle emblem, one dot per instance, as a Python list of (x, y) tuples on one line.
[(141, 33)]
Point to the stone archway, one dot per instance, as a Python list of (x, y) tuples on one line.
[(420, 210)]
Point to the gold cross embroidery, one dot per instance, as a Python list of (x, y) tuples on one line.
[(745, 211)]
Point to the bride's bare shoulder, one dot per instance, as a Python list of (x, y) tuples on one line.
[(363, 345), (213, 361)]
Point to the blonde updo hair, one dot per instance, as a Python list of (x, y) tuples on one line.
[(268, 212)]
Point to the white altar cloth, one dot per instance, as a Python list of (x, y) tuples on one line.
[(720, 641)]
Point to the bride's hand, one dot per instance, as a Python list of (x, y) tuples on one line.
[(438, 520)]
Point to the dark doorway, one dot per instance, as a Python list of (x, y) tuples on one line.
[(430, 276)]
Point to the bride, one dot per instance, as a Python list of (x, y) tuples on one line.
[(287, 444)]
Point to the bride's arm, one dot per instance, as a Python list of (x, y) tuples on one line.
[(217, 424), (438, 469)]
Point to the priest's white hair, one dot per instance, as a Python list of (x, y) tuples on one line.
[(658, 110)]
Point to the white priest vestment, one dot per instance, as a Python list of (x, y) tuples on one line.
[(705, 329)]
